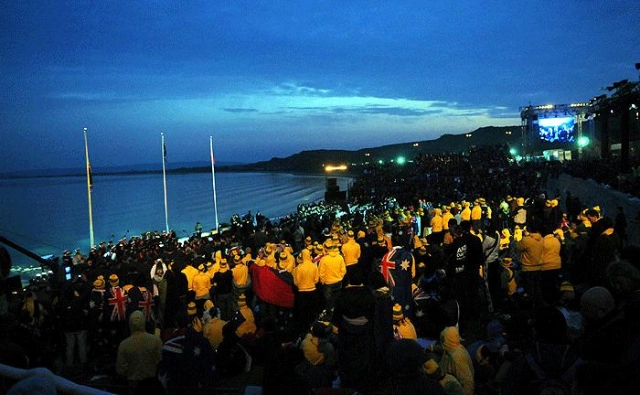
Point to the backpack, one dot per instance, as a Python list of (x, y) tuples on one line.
[(549, 385)]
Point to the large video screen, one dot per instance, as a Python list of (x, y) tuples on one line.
[(556, 130)]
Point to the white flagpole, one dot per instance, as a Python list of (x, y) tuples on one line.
[(89, 177), (213, 178), (164, 178)]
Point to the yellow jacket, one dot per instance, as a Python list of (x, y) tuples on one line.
[(404, 329), (201, 285), (530, 249), (240, 274), (213, 332), (249, 324), (332, 268), (437, 222), (551, 259), (351, 252), (306, 275), (476, 213), (190, 272)]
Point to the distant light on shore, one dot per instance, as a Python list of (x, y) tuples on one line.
[(330, 168)]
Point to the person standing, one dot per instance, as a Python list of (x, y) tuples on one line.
[(351, 252), (463, 272), (139, 355), (353, 316), (331, 270), (530, 249), (306, 302)]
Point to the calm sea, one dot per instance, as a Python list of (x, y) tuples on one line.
[(50, 215)]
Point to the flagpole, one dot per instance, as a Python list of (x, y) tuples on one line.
[(89, 185), (213, 178), (164, 178)]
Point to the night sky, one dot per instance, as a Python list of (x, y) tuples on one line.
[(272, 78)]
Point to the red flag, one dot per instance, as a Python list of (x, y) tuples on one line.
[(90, 178)]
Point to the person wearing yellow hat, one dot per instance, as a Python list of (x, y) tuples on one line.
[(437, 228), (116, 311), (465, 214), (530, 249), (402, 326), (318, 252), (447, 216), (476, 215), (96, 317), (306, 302), (351, 252), (449, 383), (319, 352), (519, 214), (212, 329), (201, 287), (241, 278), (331, 270), (286, 261), (222, 285), (270, 255), (248, 327)]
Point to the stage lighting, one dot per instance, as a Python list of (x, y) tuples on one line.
[(583, 141)]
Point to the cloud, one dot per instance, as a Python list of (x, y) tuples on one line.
[(240, 110)]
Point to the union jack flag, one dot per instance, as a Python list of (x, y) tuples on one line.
[(146, 304), (386, 264), (118, 304)]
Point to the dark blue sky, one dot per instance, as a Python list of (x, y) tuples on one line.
[(272, 78)]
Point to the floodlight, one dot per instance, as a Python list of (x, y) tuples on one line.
[(583, 141)]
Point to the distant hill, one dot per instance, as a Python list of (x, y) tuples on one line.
[(315, 160)]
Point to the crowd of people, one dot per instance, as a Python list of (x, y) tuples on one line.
[(456, 274)]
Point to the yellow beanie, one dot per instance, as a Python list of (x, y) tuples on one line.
[(191, 308), (99, 282), (431, 367), (397, 312), (242, 300), (113, 280), (208, 304), (566, 286)]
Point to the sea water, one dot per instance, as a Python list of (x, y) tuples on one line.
[(48, 215)]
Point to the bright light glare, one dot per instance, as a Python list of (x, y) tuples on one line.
[(583, 141), (330, 168)]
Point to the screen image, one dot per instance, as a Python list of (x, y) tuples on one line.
[(556, 130)]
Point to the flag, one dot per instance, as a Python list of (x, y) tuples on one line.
[(118, 304), (90, 178), (386, 265), (164, 151), (398, 265), (213, 158)]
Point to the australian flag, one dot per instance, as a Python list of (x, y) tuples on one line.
[(187, 362), (397, 269)]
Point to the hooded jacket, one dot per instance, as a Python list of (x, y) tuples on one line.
[(530, 249), (456, 359), (140, 353)]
